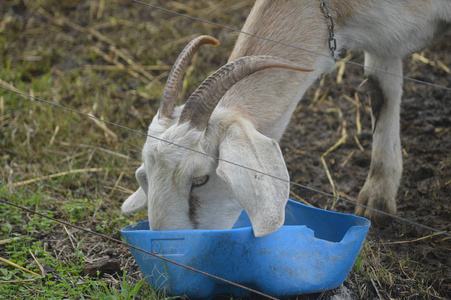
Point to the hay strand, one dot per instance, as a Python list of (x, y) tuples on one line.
[(76, 171), (116, 184), (300, 199), (341, 65), (9, 240), (344, 136), (438, 63), (417, 239), (116, 68), (103, 126), (357, 141), (18, 267), (350, 155), (41, 268), (329, 177)]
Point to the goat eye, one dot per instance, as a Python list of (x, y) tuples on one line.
[(199, 181)]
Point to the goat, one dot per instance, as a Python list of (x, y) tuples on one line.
[(186, 189), (241, 121)]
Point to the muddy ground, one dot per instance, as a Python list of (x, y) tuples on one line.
[(399, 260)]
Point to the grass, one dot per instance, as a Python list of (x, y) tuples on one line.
[(108, 58), (52, 273)]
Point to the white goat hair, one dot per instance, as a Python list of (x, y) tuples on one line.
[(240, 121)]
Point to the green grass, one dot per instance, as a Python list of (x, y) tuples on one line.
[(63, 275), (127, 291)]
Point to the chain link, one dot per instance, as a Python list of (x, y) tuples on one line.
[(328, 16)]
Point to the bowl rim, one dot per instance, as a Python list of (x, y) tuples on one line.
[(361, 223)]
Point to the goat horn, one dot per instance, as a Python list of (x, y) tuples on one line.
[(202, 102), (171, 90)]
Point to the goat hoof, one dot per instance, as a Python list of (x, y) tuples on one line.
[(372, 198)]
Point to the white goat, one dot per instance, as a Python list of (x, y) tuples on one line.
[(239, 115)]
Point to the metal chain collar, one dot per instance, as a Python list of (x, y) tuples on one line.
[(328, 16)]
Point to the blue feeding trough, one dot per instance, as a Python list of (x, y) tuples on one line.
[(313, 251)]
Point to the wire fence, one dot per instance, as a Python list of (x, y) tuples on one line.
[(217, 158)]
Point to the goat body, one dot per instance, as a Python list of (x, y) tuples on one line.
[(241, 120), (385, 30)]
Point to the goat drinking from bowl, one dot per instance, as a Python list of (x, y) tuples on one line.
[(186, 189), (252, 114)]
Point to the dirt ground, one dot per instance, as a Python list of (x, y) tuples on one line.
[(424, 195), (398, 261)]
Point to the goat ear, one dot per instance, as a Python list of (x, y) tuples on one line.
[(134, 203), (262, 197)]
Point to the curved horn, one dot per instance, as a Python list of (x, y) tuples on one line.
[(171, 90), (203, 100)]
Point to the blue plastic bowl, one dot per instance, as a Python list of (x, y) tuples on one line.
[(313, 251)]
